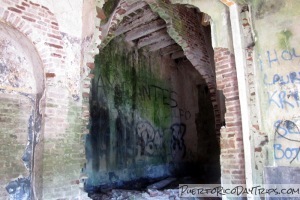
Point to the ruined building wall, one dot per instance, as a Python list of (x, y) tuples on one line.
[(231, 136), (276, 62), (42, 81), (145, 117), (271, 59)]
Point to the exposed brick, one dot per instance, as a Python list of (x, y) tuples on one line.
[(45, 8), (54, 45), (28, 19), (54, 36), (91, 65), (54, 23), (35, 4), (15, 10), (20, 7), (25, 4), (56, 55), (50, 75)]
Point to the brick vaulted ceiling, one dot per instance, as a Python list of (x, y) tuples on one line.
[(146, 30)]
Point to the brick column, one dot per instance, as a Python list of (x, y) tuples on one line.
[(232, 148)]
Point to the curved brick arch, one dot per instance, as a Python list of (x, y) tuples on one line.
[(195, 53), (39, 25), (231, 140), (24, 58)]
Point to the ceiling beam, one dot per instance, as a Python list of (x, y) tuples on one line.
[(135, 6), (178, 54), (153, 38), (161, 44), (170, 49), (139, 19), (145, 29)]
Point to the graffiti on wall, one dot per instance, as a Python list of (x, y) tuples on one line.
[(146, 92), (177, 143), (278, 57), (287, 141), (149, 139), (283, 86), (289, 81)]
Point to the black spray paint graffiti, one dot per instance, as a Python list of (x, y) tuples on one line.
[(149, 139), (287, 130), (178, 147), (145, 92)]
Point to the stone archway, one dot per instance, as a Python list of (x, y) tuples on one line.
[(21, 90)]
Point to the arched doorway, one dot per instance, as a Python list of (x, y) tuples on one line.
[(152, 113), (21, 89)]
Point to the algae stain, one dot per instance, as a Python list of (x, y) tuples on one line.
[(284, 39)]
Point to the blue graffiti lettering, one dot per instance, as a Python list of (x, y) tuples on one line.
[(286, 55), (271, 100), (272, 60), (292, 77), (288, 153), (294, 53), (275, 56), (283, 101), (260, 62)]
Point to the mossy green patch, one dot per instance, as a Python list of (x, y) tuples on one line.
[(127, 81), (108, 8), (263, 7), (284, 39)]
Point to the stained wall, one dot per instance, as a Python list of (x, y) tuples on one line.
[(277, 60), (44, 51), (145, 118)]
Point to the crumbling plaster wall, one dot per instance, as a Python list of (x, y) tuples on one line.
[(277, 76), (270, 59), (18, 88), (62, 35)]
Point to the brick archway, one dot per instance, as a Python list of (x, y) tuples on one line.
[(38, 33), (195, 52), (22, 85), (231, 135)]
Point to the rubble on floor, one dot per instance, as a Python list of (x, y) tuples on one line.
[(166, 189)]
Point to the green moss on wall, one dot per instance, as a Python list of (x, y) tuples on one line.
[(108, 8), (263, 7), (284, 39), (129, 83), (130, 110)]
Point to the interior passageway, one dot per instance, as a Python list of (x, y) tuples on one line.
[(151, 112)]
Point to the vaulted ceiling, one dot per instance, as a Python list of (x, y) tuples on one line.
[(146, 30)]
